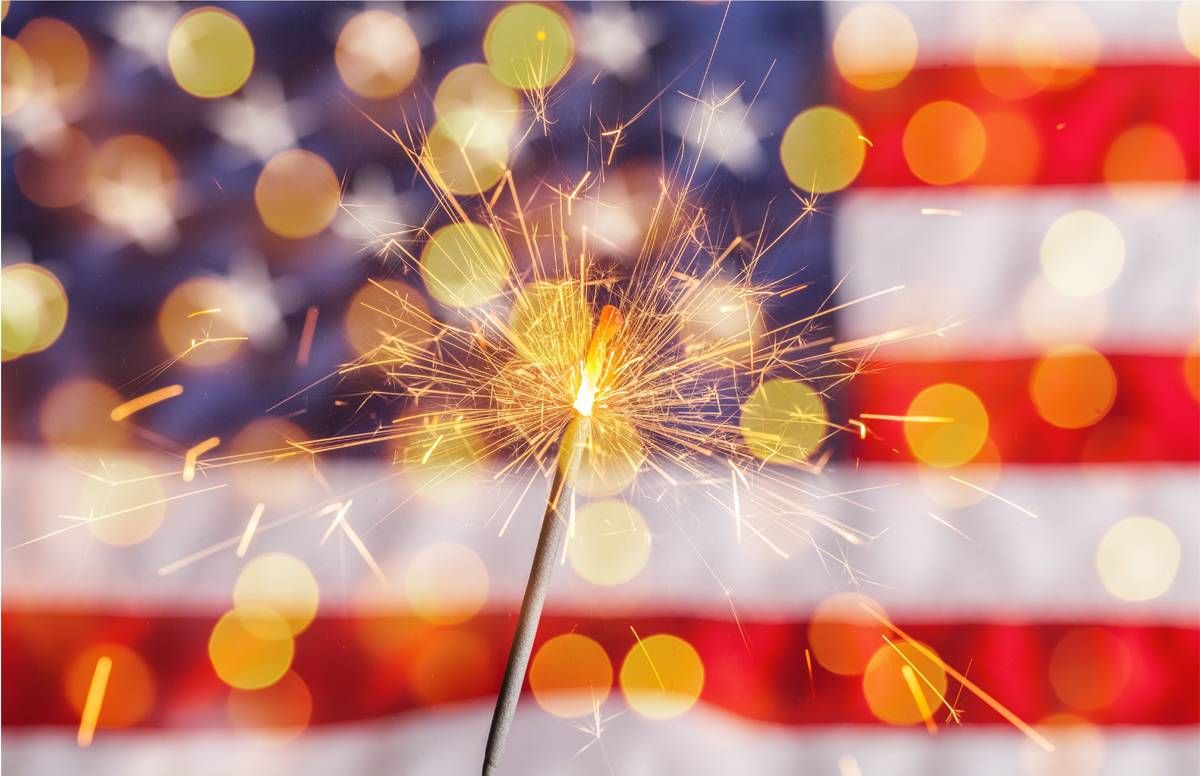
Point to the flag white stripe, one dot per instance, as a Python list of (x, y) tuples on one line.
[(915, 565), (982, 270), (703, 741)]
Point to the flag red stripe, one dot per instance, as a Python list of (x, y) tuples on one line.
[(367, 667), (1154, 418), (1074, 126)]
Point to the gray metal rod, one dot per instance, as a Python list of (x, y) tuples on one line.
[(553, 527)]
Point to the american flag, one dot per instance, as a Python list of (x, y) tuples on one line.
[(1019, 490)]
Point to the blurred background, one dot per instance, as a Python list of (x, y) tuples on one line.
[(197, 198)]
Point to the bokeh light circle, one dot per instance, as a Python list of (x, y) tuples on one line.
[(210, 52), (1137, 559), (944, 142), (251, 648), (59, 57), (201, 321), (130, 693), (1082, 253), (1014, 150), (875, 46), (528, 46), (570, 675), (784, 421), (33, 310), (889, 693), (55, 173), (446, 583), (74, 417), (612, 460), (297, 194), (467, 166), (1073, 386), (472, 107), (550, 323), (843, 636), (16, 71), (947, 425), (275, 714), (282, 584), (377, 54), (662, 676), (1188, 21), (610, 544), (464, 264), (822, 150), (387, 313), (1145, 166), (122, 502), (1089, 668)]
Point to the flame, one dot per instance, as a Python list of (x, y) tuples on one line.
[(599, 353)]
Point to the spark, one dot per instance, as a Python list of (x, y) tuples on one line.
[(95, 699), (939, 211), (923, 709), (866, 140), (862, 427), (193, 453), (951, 527), (122, 411), (996, 496), (812, 685), (649, 660), (255, 516), (209, 311), (306, 336), (978, 691), (906, 418)]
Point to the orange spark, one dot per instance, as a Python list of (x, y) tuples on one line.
[(812, 685), (910, 679), (194, 452), (122, 411), (95, 698), (306, 336)]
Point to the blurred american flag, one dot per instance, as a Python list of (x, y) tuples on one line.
[(1029, 178)]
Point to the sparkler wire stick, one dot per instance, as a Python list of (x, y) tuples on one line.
[(575, 440)]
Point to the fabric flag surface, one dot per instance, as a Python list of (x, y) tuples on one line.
[(985, 216)]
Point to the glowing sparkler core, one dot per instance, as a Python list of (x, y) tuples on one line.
[(599, 355)]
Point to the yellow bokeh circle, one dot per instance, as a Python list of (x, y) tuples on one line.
[(570, 676), (473, 108), (944, 142), (202, 322), (33, 310), (468, 165), (610, 543), (446, 583), (891, 695), (784, 421), (1137, 559), (441, 454), (875, 46), (282, 584), (377, 54), (129, 694), (612, 459), (122, 502), (464, 264), (251, 648), (1073, 387), (528, 46), (550, 324), (297, 194), (210, 52), (822, 150), (947, 425), (389, 314), (1082, 253), (662, 676)]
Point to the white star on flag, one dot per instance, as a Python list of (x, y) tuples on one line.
[(261, 121), (616, 39), (720, 128)]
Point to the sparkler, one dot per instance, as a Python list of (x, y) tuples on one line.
[(576, 438)]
